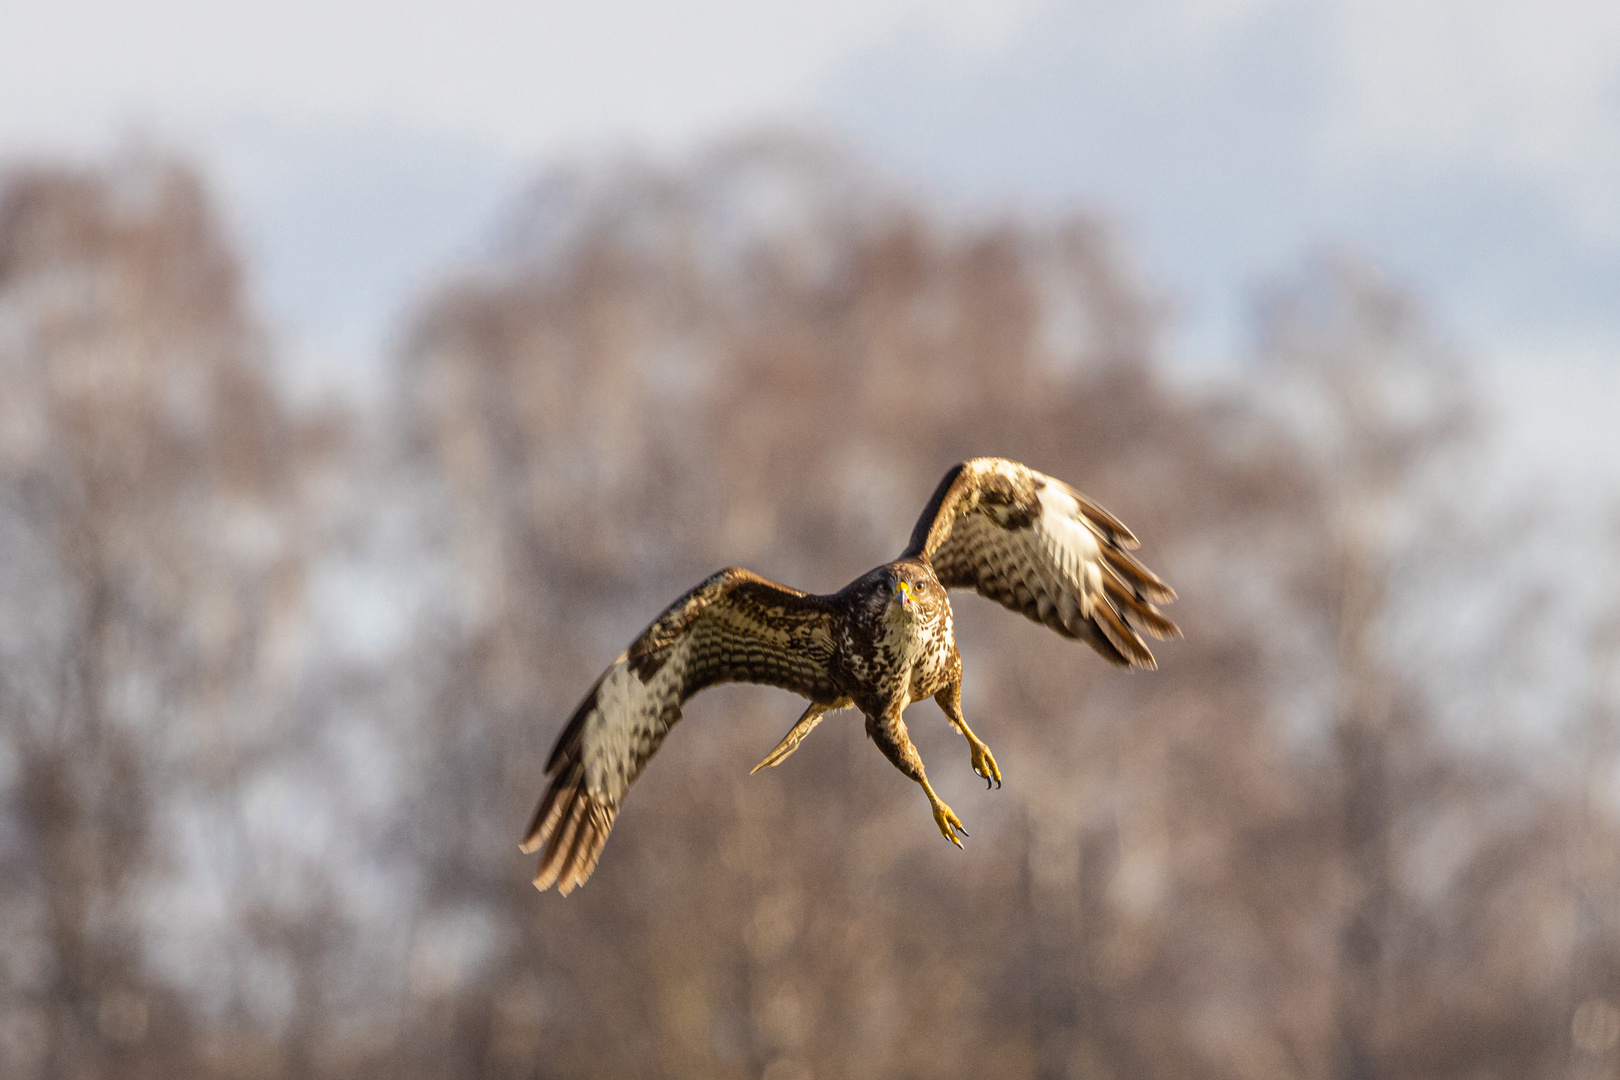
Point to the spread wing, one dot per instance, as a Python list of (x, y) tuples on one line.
[(1037, 546), (734, 627)]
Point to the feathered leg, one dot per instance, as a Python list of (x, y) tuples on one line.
[(804, 726), (984, 762), (891, 736)]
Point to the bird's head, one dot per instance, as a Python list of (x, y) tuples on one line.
[(909, 596)]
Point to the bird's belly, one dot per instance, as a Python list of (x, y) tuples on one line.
[(930, 674), (901, 663)]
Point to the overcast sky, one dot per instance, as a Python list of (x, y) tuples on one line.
[(1472, 146)]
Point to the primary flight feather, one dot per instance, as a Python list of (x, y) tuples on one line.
[(1019, 537)]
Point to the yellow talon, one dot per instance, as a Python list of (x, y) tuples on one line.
[(949, 824), (984, 763)]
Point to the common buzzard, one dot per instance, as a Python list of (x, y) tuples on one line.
[(1025, 540)]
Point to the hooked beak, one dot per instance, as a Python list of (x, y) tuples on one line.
[(902, 592)]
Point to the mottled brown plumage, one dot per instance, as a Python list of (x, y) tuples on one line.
[(1019, 537)]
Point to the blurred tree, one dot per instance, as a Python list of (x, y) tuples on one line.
[(152, 586), (1380, 398)]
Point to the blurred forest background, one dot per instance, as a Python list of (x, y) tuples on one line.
[(278, 681)]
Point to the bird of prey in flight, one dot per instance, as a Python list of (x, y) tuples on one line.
[(1021, 538)]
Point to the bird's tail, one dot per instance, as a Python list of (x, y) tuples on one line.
[(802, 727)]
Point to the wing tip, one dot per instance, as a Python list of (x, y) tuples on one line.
[(573, 826), (1117, 629), (1109, 527), (1154, 624)]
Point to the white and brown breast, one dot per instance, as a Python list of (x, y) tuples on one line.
[(936, 663)]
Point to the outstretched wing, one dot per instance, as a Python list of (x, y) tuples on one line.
[(735, 627), (1037, 546)]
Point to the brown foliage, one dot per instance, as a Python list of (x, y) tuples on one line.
[(147, 483)]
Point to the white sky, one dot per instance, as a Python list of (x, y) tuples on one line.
[(527, 76), (1417, 89)]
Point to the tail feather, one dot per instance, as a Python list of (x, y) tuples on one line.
[(801, 727)]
